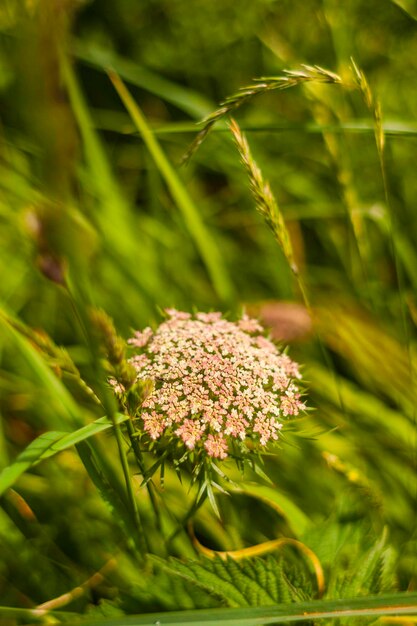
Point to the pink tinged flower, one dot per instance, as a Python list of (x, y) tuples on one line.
[(209, 317), (214, 381), (290, 367), (140, 361), (280, 381), (178, 315), (190, 432), (213, 417), (118, 388), (267, 429), (236, 425), (153, 424), (291, 404), (264, 343), (140, 339), (216, 446), (249, 325)]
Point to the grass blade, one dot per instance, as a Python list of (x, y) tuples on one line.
[(185, 99), (207, 247), (271, 496), (113, 212), (65, 406), (118, 122), (373, 606), (49, 444), (111, 491)]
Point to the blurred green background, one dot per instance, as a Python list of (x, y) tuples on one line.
[(89, 217)]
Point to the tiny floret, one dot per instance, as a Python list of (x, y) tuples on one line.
[(218, 385), (140, 339), (117, 387)]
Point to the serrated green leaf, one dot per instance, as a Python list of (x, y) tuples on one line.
[(248, 582), (213, 576)]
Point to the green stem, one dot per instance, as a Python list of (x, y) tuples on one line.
[(129, 485), (83, 319), (139, 459)]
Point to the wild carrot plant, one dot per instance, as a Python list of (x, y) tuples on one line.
[(216, 389), (178, 467)]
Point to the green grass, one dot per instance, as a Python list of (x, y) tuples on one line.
[(100, 103)]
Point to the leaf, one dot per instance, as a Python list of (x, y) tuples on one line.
[(65, 404), (49, 444), (372, 570), (170, 593), (298, 521), (250, 582), (119, 122), (114, 215), (360, 340), (185, 99), (369, 573), (112, 492), (205, 244), (409, 6)]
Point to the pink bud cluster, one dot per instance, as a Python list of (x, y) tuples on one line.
[(215, 381)]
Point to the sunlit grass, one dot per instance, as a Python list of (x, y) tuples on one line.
[(96, 215)]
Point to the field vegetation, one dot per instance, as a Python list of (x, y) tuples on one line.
[(255, 159)]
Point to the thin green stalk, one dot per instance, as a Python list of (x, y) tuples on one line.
[(402, 604), (139, 459), (38, 615), (198, 502), (112, 213), (109, 409), (374, 107), (119, 123), (128, 482), (4, 456), (186, 99)]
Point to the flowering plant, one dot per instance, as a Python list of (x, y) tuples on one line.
[(219, 388)]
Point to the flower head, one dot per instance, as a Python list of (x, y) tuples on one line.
[(218, 384)]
